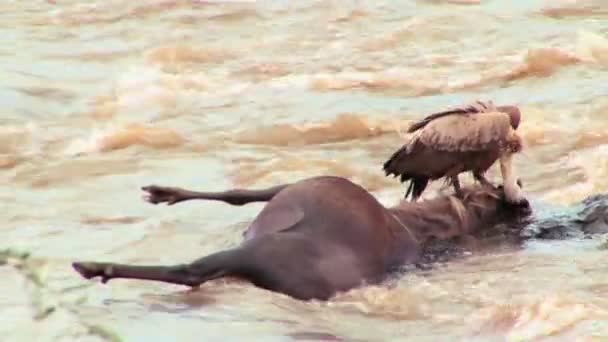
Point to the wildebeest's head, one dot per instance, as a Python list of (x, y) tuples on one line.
[(449, 216)]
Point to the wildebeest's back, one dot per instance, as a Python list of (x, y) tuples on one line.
[(326, 206)]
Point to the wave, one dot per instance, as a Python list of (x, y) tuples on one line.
[(541, 62), (568, 9), (117, 137), (553, 315), (286, 168), (182, 55), (590, 49), (344, 127), (18, 143)]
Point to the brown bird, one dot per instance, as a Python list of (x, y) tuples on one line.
[(468, 138)]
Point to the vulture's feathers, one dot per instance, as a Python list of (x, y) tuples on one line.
[(444, 144)]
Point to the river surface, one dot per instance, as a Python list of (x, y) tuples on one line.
[(98, 98)]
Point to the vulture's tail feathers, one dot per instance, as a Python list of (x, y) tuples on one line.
[(394, 166)]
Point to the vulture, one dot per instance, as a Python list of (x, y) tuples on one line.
[(467, 138)]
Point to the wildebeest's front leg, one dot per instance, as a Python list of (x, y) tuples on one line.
[(214, 266), (170, 195)]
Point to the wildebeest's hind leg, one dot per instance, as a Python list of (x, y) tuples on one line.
[(170, 195), (211, 267)]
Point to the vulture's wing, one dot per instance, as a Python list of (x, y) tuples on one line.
[(476, 107), (465, 132)]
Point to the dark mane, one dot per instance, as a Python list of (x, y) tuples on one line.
[(476, 209)]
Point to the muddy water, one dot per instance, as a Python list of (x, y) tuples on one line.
[(101, 97)]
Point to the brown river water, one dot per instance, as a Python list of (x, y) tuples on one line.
[(99, 98)]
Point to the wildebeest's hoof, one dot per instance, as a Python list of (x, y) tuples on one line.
[(89, 270), (162, 194)]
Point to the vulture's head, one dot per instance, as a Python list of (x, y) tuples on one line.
[(514, 114)]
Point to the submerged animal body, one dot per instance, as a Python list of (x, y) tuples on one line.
[(470, 138), (317, 237)]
